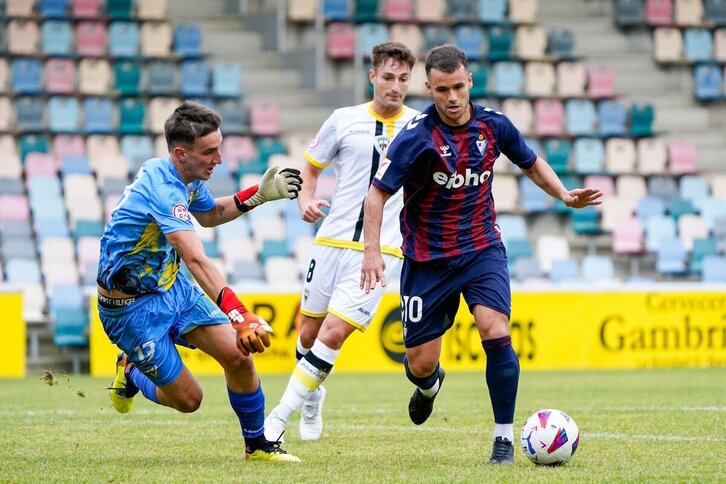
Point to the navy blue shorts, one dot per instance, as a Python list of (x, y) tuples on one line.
[(430, 291)]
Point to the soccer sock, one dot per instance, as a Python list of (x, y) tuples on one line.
[(502, 376), (250, 410), (143, 383), (309, 373), (429, 385), (300, 350)]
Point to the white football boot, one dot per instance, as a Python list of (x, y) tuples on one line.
[(274, 428), (311, 421)]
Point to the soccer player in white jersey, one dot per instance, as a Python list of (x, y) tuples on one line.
[(353, 140)]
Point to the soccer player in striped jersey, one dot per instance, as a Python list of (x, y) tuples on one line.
[(147, 306), (444, 159), (353, 141)]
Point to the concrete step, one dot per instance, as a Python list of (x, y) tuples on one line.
[(191, 10), (264, 79), (305, 119), (225, 42)]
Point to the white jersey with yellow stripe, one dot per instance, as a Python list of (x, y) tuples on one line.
[(354, 140)]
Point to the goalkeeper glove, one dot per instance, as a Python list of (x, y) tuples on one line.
[(252, 331), (274, 186)]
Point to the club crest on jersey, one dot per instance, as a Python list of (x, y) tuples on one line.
[(481, 143), (381, 144), (180, 211), (445, 150)]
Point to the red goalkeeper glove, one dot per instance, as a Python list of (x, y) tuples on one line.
[(253, 332)]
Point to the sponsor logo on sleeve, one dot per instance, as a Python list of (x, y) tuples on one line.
[(382, 168), (180, 211), (315, 142)]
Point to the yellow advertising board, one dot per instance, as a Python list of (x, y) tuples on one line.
[(12, 332), (550, 331)]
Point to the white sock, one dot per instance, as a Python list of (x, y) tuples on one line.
[(304, 381), (430, 392), (505, 431), (300, 348)]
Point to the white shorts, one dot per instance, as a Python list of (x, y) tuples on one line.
[(332, 285)]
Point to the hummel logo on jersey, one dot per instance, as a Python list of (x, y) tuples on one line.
[(456, 180), (414, 122), (445, 150)]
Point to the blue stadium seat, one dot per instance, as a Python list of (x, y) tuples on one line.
[(161, 78), (713, 210), (88, 228), (612, 115), (57, 37), (98, 115), (226, 79), (715, 11), (137, 149), (336, 9), (17, 248), (641, 120), (236, 116), (525, 268), (517, 248), (63, 114), (132, 113), (564, 270), (30, 113), (693, 188), (27, 75), (128, 75), (187, 40), (508, 79), (658, 228), (670, 256), (493, 11), (55, 226), (597, 268), (247, 271), (273, 248), (589, 156), (75, 165), (195, 77), (560, 42), (53, 8), (662, 186), (434, 35), (650, 206), (714, 268), (21, 271), (369, 35), (708, 80), (12, 186), (629, 13), (512, 226), (697, 44), (532, 198), (221, 184), (471, 39), (580, 117), (237, 228), (123, 39), (462, 10), (65, 296)]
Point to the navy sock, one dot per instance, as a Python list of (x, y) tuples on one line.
[(425, 382), (502, 377), (143, 383), (250, 409)]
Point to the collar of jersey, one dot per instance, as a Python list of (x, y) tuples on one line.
[(385, 120)]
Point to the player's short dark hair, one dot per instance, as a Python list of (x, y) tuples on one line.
[(446, 58), (188, 122), (392, 50)]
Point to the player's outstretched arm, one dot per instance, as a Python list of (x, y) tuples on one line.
[(542, 174), (373, 267), (274, 185), (309, 205), (252, 331)]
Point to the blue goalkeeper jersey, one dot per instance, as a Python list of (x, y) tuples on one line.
[(136, 257)]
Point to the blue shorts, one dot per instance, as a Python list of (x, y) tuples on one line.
[(430, 291), (148, 329)]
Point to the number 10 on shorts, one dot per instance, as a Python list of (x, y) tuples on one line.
[(411, 309)]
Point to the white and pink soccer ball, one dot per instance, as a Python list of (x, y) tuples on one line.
[(550, 437)]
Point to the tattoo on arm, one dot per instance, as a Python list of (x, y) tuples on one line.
[(220, 210)]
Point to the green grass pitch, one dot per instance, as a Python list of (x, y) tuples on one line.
[(637, 426)]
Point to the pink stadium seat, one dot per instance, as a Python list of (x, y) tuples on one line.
[(628, 236), (681, 157), (265, 118), (614, 211), (340, 41), (604, 183), (86, 8), (549, 117), (108, 203), (659, 12), (88, 250), (14, 207), (398, 10), (60, 76), (571, 79), (600, 81), (91, 38), (236, 149), (68, 145), (40, 164)]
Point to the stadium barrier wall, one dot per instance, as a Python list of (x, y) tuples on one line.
[(12, 333), (572, 330)]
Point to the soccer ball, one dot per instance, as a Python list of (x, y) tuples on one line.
[(550, 437)]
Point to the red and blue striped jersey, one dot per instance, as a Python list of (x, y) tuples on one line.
[(446, 173)]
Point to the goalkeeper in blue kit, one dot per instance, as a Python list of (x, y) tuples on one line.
[(147, 306)]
